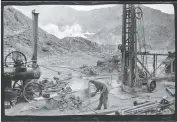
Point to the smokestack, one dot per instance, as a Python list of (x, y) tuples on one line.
[(35, 35)]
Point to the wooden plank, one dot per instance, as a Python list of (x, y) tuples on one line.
[(172, 93), (100, 112)]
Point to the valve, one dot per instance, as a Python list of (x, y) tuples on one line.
[(138, 13)]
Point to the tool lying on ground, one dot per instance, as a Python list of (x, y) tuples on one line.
[(135, 103), (147, 107)]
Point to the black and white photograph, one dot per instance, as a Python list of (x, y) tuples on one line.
[(107, 59)]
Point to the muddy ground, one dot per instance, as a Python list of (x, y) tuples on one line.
[(50, 66)]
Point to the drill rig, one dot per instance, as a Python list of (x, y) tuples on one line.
[(134, 65), (21, 78)]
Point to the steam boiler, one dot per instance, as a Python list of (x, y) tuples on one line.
[(21, 76)]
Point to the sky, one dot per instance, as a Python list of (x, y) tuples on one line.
[(166, 8)]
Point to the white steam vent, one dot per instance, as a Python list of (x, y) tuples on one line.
[(71, 31)]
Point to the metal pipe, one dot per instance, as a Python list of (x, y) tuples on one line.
[(123, 44), (35, 36), (149, 107)]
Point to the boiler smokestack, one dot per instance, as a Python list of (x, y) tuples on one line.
[(35, 35)]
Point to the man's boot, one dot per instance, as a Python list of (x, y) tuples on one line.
[(99, 106), (105, 100)]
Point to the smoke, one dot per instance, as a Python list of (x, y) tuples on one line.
[(71, 31)]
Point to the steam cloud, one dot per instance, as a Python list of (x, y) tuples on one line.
[(71, 31)]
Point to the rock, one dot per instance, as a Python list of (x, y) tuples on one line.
[(84, 66), (51, 103), (99, 63), (72, 97), (55, 78), (7, 105), (166, 112), (46, 95), (44, 81), (78, 98), (70, 74), (45, 50), (68, 89), (48, 43), (172, 108)]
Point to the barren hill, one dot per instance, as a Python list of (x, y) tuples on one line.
[(18, 35), (106, 24)]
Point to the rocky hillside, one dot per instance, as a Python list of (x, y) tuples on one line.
[(18, 35), (159, 29), (106, 23)]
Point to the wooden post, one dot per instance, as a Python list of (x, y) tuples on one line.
[(89, 93), (154, 61), (171, 67)]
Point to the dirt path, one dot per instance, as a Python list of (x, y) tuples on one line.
[(116, 99)]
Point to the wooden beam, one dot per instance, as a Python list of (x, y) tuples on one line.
[(164, 78), (147, 53), (143, 66)]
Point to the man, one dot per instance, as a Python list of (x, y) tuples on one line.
[(104, 93)]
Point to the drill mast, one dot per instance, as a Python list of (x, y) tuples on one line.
[(129, 45)]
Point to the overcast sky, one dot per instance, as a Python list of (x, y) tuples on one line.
[(166, 8)]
